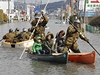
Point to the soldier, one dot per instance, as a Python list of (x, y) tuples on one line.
[(72, 18), (29, 31), (72, 36), (40, 28), (16, 32), (16, 35), (24, 36), (9, 37)]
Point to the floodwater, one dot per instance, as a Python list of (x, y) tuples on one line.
[(10, 64)]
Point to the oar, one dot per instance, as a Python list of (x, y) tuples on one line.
[(93, 48), (84, 37), (33, 30)]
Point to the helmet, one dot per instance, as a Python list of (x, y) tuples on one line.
[(29, 29), (24, 29), (10, 30), (37, 15), (16, 29), (77, 21)]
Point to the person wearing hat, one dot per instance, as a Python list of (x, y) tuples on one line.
[(16, 35), (72, 35), (48, 43), (23, 36), (9, 36), (37, 46), (16, 32), (29, 31), (40, 28), (60, 38)]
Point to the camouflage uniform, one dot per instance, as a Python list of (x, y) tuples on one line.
[(29, 32), (16, 36), (24, 36), (40, 29), (72, 36), (9, 37)]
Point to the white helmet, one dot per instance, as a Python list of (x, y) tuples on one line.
[(37, 15), (77, 21), (24, 29)]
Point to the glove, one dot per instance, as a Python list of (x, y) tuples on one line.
[(82, 36)]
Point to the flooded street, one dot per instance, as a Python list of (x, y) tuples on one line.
[(10, 64)]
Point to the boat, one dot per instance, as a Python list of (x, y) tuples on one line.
[(86, 58), (22, 44), (60, 58)]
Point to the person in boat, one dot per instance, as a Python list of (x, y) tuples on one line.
[(72, 18), (16, 31), (16, 35), (48, 43), (72, 35), (60, 38), (23, 35), (9, 36), (40, 28), (29, 31), (37, 46)]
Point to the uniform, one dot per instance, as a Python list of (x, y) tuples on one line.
[(40, 29), (72, 36), (9, 37)]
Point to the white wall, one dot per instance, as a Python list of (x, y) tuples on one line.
[(4, 5)]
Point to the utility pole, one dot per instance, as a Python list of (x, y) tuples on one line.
[(84, 15), (25, 5), (8, 11), (84, 10)]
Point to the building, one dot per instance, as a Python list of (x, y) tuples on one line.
[(91, 5), (8, 7)]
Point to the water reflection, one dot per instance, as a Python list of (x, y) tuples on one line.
[(42, 68)]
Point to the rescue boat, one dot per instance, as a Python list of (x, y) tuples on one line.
[(86, 58), (22, 44)]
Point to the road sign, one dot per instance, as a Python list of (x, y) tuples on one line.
[(93, 3)]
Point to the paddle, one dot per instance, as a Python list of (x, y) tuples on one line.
[(93, 48), (34, 30), (84, 37)]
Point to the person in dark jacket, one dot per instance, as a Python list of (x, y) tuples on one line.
[(60, 39), (48, 43)]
